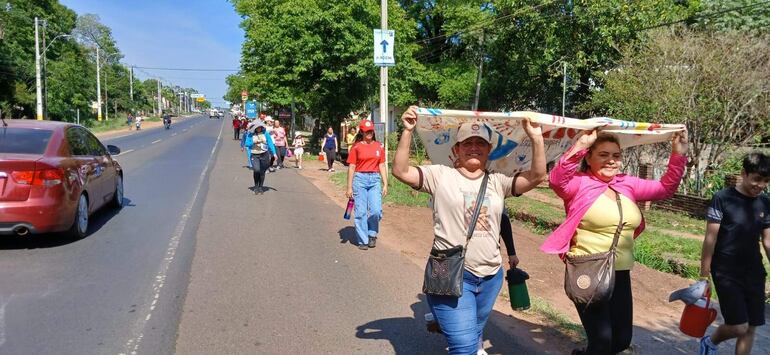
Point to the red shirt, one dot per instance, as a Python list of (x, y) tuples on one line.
[(236, 123), (367, 157)]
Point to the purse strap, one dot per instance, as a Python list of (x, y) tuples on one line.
[(619, 229), (479, 200)]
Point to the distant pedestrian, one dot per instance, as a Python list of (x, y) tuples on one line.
[(737, 218), (130, 120), (366, 171), (299, 150), (602, 213), (236, 128), (350, 138), (139, 120), (261, 152), (281, 142), (330, 147)]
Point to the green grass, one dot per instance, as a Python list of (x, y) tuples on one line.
[(539, 217), (673, 255), (398, 192), (114, 123), (675, 221)]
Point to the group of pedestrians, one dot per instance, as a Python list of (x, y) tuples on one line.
[(602, 220), (266, 146)]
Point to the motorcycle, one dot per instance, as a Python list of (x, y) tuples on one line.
[(167, 124)]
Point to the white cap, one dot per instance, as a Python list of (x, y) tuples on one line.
[(474, 129), (268, 119)]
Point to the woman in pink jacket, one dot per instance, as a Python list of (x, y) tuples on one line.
[(592, 218)]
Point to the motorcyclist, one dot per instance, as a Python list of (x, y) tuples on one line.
[(167, 120)]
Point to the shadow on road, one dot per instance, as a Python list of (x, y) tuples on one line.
[(50, 240), (503, 334), (348, 235)]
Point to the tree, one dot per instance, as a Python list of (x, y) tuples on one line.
[(736, 15), (717, 83), (319, 53)]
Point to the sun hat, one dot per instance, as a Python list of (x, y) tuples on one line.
[(366, 126), (473, 129)]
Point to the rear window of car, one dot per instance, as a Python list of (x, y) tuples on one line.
[(24, 140)]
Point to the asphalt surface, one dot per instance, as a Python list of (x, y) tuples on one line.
[(270, 275), (120, 289)]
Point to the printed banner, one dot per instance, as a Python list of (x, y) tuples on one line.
[(512, 149)]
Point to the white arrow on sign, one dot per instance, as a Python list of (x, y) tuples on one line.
[(195, 96)]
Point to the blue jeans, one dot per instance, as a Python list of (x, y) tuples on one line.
[(463, 319), (367, 196)]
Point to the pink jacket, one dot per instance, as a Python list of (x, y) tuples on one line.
[(580, 190)]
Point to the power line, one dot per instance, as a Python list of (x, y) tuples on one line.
[(189, 69), (706, 15)]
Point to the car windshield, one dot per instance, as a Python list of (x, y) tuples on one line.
[(24, 140)]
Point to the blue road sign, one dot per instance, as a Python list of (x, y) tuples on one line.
[(251, 109), (384, 41)]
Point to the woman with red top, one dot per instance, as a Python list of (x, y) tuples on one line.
[(365, 173)]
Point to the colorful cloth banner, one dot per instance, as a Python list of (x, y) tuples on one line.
[(512, 149)]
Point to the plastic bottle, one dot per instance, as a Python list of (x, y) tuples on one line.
[(517, 289), (349, 209)]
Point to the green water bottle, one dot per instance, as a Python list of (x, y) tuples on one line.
[(517, 289)]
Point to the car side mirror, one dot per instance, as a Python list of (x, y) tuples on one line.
[(113, 149)]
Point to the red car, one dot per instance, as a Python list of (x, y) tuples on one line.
[(53, 176)]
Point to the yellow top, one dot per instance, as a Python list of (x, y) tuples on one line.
[(350, 138), (597, 229)]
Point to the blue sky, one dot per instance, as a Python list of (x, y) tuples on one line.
[(174, 34)]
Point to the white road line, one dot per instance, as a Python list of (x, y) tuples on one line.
[(125, 152), (173, 134), (133, 344), (153, 142), (184, 130)]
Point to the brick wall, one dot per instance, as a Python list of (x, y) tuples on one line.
[(692, 205)]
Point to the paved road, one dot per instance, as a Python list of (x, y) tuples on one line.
[(271, 276), (119, 289)]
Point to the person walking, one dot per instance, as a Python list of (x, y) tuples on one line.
[(261, 150), (455, 192), (330, 147), (299, 150), (130, 120), (596, 198), (366, 171), (279, 138), (236, 128), (350, 138), (736, 219)]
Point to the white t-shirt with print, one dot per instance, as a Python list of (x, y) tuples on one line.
[(454, 200)]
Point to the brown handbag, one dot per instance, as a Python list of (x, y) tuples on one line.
[(591, 278)]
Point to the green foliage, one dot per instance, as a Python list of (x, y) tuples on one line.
[(748, 16)]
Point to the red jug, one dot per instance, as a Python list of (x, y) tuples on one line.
[(696, 317)]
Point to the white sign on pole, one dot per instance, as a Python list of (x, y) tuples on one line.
[(195, 96), (384, 41)]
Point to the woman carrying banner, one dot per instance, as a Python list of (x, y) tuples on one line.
[(455, 192), (596, 198)]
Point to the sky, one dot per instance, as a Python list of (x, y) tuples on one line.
[(198, 34)]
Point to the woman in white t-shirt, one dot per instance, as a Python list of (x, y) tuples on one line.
[(299, 149), (454, 191)]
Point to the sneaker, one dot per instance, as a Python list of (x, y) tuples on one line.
[(331, 170), (481, 352), (372, 242), (706, 346), (363, 247)]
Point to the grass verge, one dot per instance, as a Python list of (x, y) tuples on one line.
[(114, 123), (398, 192)]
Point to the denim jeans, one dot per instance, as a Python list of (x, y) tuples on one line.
[(463, 319), (367, 196)]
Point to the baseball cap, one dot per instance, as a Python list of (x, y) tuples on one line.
[(473, 129), (366, 126)]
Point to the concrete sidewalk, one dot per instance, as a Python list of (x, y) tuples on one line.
[(270, 275)]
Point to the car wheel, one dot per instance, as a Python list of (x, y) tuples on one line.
[(80, 224), (117, 197)]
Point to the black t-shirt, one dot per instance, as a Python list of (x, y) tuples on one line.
[(741, 221)]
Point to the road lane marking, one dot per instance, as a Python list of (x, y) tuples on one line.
[(184, 130), (153, 142), (125, 152), (173, 134), (133, 344)]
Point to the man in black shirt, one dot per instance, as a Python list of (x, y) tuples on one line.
[(736, 219)]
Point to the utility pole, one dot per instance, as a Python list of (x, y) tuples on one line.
[(564, 87), (38, 88), (293, 117), (384, 81), (131, 82), (106, 95), (478, 76), (45, 72), (98, 87), (160, 102)]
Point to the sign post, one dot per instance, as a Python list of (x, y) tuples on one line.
[(384, 43), (251, 109)]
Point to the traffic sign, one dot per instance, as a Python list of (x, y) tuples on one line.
[(195, 96), (384, 41), (251, 109), (200, 99)]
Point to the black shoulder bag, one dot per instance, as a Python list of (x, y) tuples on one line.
[(444, 271), (591, 278)]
